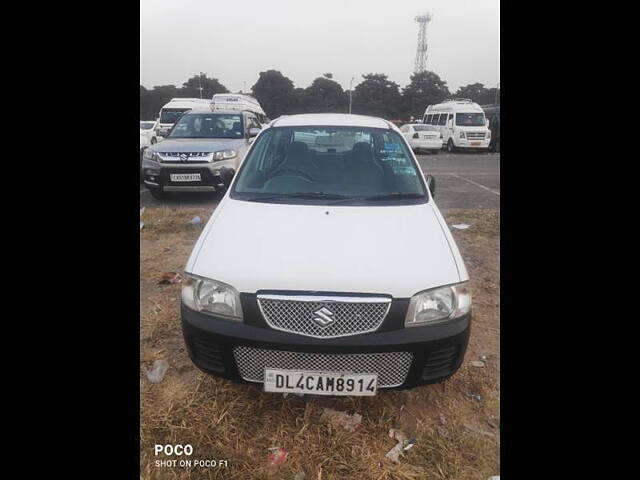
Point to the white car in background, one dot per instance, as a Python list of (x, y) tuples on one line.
[(422, 137), (148, 131)]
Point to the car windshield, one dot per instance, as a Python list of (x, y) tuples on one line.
[(424, 128), (146, 125), (470, 119), (170, 115), (329, 165), (208, 125)]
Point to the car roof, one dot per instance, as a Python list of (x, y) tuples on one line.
[(201, 109), (330, 119)]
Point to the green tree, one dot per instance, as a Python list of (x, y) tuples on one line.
[(478, 93), (426, 88), (276, 93), (210, 86), (377, 96), (323, 96)]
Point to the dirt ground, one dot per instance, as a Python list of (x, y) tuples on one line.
[(456, 424)]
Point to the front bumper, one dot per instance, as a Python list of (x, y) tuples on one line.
[(471, 143), (214, 345), (213, 176)]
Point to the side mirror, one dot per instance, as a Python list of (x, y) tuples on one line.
[(253, 131), (431, 184)]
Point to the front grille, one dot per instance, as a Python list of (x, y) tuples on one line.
[(184, 157), (475, 135), (324, 316), (440, 362), (392, 367)]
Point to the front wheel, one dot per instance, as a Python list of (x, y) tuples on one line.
[(451, 148)]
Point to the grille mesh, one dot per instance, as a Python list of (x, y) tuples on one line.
[(349, 318), (392, 367)]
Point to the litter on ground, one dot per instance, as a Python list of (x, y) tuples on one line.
[(404, 444), (276, 457), (195, 221), (159, 368), (461, 226), (341, 419), (170, 278), (477, 363)]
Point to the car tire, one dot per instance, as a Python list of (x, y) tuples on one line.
[(451, 148), (153, 140), (158, 193)]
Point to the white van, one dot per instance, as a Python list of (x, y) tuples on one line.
[(327, 268), (171, 111), (238, 101), (462, 123)]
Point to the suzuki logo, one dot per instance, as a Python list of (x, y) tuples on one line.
[(183, 157), (323, 317)]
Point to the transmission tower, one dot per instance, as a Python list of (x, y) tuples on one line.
[(421, 52)]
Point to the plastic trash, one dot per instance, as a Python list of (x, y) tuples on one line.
[(195, 221), (276, 457), (461, 226), (404, 444), (159, 368), (475, 396), (170, 278), (341, 419), (141, 212), (494, 477), (478, 364)]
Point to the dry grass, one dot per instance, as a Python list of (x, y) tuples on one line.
[(457, 436)]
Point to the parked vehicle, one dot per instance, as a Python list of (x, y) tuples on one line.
[(201, 152), (172, 110), (327, 268), (492, 112), (148, 130), (461, 122), (422, 137), (237, 101)]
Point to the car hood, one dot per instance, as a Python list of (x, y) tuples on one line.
[(395, 250), (198, 144)]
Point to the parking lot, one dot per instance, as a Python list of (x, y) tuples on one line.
[(463, 181)]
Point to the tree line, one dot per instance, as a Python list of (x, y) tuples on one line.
[(375, 95)]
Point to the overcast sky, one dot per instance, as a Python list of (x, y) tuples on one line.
[(235, 41)]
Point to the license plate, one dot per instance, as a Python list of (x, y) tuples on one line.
[(320, 383), (475, 144), (185, 177)]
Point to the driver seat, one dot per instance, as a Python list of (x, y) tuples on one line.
[(298, 157)]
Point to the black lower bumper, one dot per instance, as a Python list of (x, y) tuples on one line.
[(219, 179), (438, 350)]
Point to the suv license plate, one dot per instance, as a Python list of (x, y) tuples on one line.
[(475, 144), (320, 383), (185, 177)]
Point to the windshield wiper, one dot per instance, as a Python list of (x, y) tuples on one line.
[(302, 195), (386, 196)]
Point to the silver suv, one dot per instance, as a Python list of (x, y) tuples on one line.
[(201, 152)]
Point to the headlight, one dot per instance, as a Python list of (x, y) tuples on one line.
[(224, 155), (461, 134), (150, 155), (439, 304), (209, 296)]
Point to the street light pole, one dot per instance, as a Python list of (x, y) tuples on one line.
[(350, 93)]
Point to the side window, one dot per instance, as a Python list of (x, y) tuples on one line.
[(428, 119), (434, 120), (443, 119), (450, 118)]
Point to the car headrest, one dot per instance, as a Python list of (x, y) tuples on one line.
[(362, 152), (297, 149)]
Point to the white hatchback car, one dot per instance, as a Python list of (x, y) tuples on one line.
[(327, 267), (422, 137)]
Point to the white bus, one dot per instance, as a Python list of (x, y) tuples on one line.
[(239, 101), (171, 111), (461, 122)]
